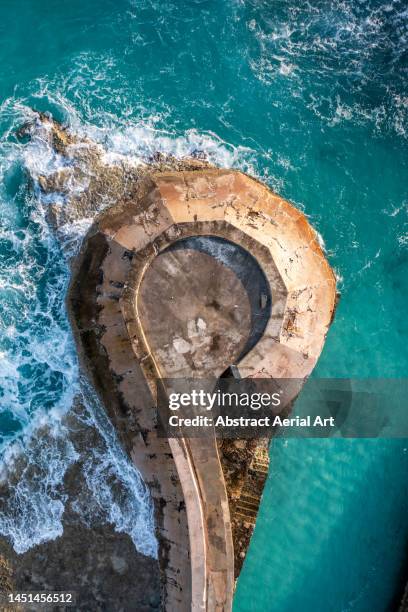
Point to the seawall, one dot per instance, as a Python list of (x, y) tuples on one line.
[(194, 516)]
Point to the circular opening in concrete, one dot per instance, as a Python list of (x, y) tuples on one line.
[(249, 272), (204, 303)]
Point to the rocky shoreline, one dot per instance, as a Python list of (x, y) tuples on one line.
[(203, 524), (90, 559), (86, 182)]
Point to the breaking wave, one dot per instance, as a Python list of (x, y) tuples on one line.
[(357, 48), (39, 376)]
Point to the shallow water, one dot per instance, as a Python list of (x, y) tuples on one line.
[(307, 96)]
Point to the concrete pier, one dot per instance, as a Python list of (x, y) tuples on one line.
[(143, 310)]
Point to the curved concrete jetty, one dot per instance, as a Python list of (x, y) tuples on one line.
[(143, 309)]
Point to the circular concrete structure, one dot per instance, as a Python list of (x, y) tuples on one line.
[(205, 303), (196, 314)]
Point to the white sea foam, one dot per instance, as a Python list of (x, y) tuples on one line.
[(339, 44), (71, 235), (39, 375), (38, 369), (117, 488), (32, 470)]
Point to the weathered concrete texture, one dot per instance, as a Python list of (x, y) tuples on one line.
[(123, 268), (247, 271), (219, 316), (107, 353)]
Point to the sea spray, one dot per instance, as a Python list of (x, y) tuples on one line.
[(32, 476), (115, 490), (41, 386), (40, 379)]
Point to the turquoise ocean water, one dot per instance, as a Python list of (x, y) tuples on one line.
[(310, 97)]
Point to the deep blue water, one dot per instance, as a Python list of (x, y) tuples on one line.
[(310, 97)]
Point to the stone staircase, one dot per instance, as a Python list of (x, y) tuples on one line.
[(245, 508), (248, 503)]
